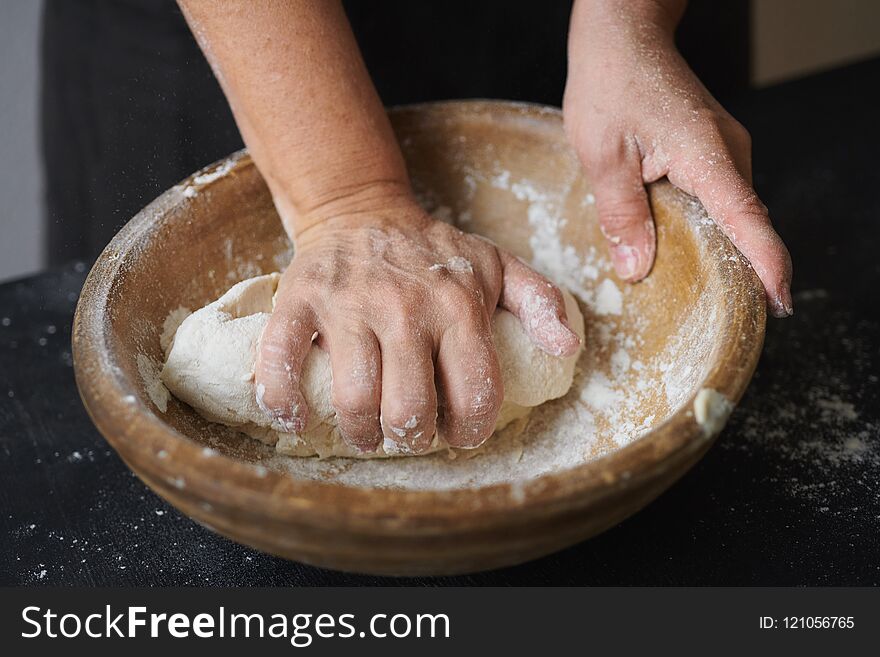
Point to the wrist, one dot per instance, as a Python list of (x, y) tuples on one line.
[(618, 31), (382, 204), (300, 215), (615, 41)]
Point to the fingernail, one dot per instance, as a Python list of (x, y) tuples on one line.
[(395, 448), (625, 259), (476, 445), (782, 305)]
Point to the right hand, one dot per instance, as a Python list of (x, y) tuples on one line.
[(403, 305), (635, 112)]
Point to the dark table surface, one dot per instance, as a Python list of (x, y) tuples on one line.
[(789, 495)]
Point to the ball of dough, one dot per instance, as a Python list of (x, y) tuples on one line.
[(210, 366)]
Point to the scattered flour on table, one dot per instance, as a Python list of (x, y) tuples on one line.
[(823, 439), (813, 425)]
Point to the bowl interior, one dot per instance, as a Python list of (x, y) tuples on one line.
[(503, 171)]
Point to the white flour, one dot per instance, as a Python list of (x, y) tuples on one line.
[(602, 412), (223, 168)]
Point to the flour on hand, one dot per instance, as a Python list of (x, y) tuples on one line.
[(210, 366)]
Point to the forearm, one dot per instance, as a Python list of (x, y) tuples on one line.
[(304, 103), (613, 26), (614, 17)]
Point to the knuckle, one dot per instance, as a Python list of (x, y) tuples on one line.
[(398, 310), (274, 351), (553, 294), (614, 148), (477, 404), (274, 369), (735, 129), (751, 209), (709, 130), (599, 149), (285, 331), (466, 305), (354, 400), (596, 154), (754, 208), (403, 327), (617, 215)]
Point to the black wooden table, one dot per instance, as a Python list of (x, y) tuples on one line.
[(789, 495)]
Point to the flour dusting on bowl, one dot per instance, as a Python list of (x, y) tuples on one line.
[(605, 408)]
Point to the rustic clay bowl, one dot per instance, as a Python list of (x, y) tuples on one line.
[(634, 422)]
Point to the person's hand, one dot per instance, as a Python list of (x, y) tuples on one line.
[(403, 304), (635, 112)]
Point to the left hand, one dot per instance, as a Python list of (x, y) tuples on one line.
[(635, 112)]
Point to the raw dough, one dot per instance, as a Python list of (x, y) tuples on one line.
[(210, 365)]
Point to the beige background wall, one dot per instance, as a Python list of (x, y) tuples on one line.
[(791, 38)]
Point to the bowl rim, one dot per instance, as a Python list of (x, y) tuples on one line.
[(142, 438)]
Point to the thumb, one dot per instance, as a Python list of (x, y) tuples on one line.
[(625, 216)]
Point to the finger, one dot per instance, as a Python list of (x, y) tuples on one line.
[(735, 207), (733, 136), (355, 393), (624, 214), (409, 398), (469, 382), (539, 306), (282, 349)]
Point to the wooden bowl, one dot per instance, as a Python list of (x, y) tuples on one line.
[(665, 361)]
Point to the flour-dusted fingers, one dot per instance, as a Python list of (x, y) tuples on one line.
[(633, 104), (539, 305), (409, 399), (356, 365), (732, 203), (469, 384), (624, 214), (283, 348), (614, 165)]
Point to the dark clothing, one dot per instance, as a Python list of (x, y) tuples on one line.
[(130, 107)]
